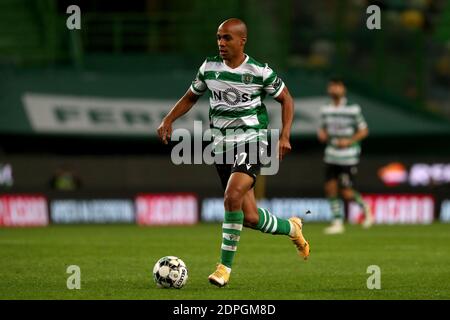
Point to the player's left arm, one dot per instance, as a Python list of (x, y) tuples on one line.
[(360, 135), (287, 116)]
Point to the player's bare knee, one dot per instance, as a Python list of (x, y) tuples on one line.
[(330, 190), (347, 194)]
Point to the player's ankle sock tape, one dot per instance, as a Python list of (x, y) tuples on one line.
[(335, 205), (268, 223), (231, 231)]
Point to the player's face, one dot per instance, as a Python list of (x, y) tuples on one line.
[(336, 89), (230, 44)]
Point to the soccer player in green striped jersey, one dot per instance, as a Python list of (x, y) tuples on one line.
[(342, 129), (237, 84)]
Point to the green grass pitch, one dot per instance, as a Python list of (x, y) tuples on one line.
[(116, 262)]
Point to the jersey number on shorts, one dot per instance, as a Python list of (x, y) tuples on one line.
[(242, 156)]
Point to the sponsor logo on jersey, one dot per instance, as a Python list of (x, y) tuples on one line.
[(231, 96)]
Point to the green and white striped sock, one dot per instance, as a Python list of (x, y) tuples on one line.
[(336, 208), (231, 232), (359, 200), (268, 223)]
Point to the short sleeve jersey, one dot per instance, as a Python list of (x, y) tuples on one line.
[(236, 97)]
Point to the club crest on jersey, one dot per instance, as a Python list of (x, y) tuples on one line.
[(247, 78)]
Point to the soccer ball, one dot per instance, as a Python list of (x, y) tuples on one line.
[(170, 272)]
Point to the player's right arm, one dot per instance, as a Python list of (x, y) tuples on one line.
[(181, 107), (196, 90), (322, 135)]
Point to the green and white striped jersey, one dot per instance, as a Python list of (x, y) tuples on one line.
[(342, 121), (236, 98)]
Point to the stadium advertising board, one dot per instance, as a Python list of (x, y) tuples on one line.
[(396, 209), (23, 210), (166, 209), (52, 113), (92, 211), (319, 209), (415, 175)]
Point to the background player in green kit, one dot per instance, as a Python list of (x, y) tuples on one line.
[(342, 129), (237, 85)]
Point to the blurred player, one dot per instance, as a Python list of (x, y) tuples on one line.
[(342, 128), (237, 85)]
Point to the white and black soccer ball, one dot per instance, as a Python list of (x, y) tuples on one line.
[(170, 272)]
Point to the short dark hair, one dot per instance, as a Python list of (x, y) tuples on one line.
[(336, 79)]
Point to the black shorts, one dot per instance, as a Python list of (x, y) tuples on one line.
[(242, 163), (345, 175)]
